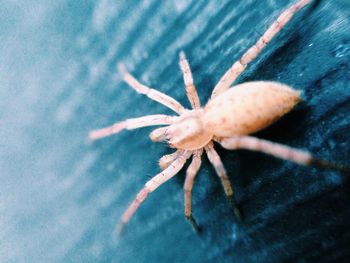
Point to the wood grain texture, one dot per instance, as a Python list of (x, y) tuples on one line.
[(60, 197)]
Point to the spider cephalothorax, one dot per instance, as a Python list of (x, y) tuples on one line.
[(228, 118), (187, 132)]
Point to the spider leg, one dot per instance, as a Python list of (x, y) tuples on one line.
[(129, 124), (166, 160), (215, 160), (149, 92), (190, 176), (191, 91), (278, 150), (238, 67), (152, 185)]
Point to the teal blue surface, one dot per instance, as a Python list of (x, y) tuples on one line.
[(61, 196)]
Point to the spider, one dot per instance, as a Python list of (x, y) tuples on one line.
[(230, 115)]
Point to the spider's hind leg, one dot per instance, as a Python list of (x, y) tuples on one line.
[(278, 150), (239, 66)]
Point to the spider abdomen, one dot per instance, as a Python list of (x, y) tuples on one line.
[(248, 108)]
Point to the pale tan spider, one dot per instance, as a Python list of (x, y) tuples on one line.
[(228, 118)]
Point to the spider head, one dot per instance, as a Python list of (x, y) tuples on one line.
[(187, 133)]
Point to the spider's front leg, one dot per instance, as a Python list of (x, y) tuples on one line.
[(129, 124), (149, 92), (278, 150), (191, 91), (152, 185), (239, 66), (191, 173), (215, 160)]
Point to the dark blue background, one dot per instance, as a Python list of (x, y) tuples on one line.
[(61, 197)]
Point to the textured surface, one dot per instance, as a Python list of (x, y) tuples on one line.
[(60, 197)]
